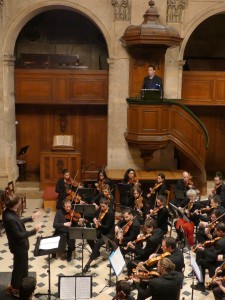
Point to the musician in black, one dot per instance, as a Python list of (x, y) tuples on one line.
[(64, 219), (104, 223), (160, 214), (166, 286), (182, 185), (65, 186), (158, 189), (219, 188), (210, 258), (104, 193), (138, 204), (152, 236), (127, 229)]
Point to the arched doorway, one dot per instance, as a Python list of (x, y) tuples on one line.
[(50, 108), (203, 83)]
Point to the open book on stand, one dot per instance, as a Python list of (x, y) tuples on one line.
[(63, 143)]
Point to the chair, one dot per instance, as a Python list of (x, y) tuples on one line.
[(167, 193)]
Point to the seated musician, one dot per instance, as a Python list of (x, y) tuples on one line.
[(104, 223), (191, 217), (207, 216), (138, 204), (123, 291), (158, 189), (101, 179), (152, 236), (104, 193), (219, 288), (130, 177), (160, 213), (219, 188), (169, 249), (64, 187), (166, 286), (64, 219), (184, 185), (211, 257), (127, 229)]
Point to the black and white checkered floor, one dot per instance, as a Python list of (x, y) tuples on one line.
[(99, 270)]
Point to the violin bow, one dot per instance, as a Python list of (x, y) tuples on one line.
[(216, 219), (76, 175)]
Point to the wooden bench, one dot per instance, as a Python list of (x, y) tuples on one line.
[(50, 197)]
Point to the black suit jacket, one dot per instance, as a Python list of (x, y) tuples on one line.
[(133, 231), (154, 83), (107, 224), (15, 230), (177, 258), (166, 286)]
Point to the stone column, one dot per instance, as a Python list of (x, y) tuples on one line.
[(8, 166)]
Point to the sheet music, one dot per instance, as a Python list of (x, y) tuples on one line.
[(63, 140), (83, 287), (117, 261), (49, 243), (196, 268), (67, 289)]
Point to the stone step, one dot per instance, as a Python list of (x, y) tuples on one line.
[(31, 189)]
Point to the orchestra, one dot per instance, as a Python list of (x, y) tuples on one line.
[(142, 230)]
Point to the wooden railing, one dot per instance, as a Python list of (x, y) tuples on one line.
[(151, 126)]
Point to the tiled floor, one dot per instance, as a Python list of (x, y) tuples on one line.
[(99, 270)]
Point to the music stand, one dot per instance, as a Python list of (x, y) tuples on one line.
[(86, 194), (22, 150), (196, 272), (86, 210), (113, 246), (47, 246), (82, 233)]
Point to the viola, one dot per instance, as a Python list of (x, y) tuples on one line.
[(155, 211), (154, 260), (124, 230), (207, 244)]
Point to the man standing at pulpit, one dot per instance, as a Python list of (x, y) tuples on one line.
[(152, 82)]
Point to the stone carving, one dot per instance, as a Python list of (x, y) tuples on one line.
[(175, 9), (122, 9), (2, 2)]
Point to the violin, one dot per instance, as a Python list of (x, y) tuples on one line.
[(154, 260), (155, 187), (72, 216), (73, 197), (139, 240), (139, 203), (207, 244), (155, 211), (206, 209), (101, 216), (133, 180), (122, 231), (220, 269), (143, 274)]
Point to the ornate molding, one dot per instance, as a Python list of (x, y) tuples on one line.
[(175, 10), (2, 2), (122, 10), (9, 60)]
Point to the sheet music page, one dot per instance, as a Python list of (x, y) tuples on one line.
[(196, 268), (49, 243), (67, 288), (83, 287), (117, 261)]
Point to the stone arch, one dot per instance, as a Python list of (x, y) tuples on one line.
[(29, 12), (198, 19)]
